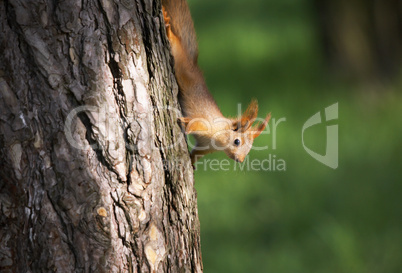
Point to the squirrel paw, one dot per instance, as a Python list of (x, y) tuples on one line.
[(166, 18)]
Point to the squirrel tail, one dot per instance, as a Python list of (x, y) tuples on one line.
[(182, 26)]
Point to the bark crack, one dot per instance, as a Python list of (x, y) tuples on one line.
[(118, 86), (68, 234)]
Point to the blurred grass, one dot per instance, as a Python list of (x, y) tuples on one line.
[(308, 218)]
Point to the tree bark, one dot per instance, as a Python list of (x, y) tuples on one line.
[(94, 170)]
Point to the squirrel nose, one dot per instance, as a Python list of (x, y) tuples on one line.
[(239, 159)]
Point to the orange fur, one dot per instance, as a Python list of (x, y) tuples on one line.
[(202, 117)]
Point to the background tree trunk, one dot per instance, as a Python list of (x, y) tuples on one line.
[(362, 38), (117, 194)]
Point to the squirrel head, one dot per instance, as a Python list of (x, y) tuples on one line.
[(238, 145), (233, 136), (242, 133)]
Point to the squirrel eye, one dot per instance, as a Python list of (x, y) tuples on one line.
[(237, 142)]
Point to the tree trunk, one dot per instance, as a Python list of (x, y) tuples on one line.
[(362, 38), (94, 170)]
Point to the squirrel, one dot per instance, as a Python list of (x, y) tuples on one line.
[(202, 117)]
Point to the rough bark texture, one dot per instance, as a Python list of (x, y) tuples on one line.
[(117, 194)]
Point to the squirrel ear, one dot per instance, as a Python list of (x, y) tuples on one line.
[(193, 125), (256, 130), (243, 124)]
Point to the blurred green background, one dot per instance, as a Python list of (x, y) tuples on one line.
[(298, 57)]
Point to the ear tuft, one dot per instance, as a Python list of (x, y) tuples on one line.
[(256, 130), (244, 123)]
